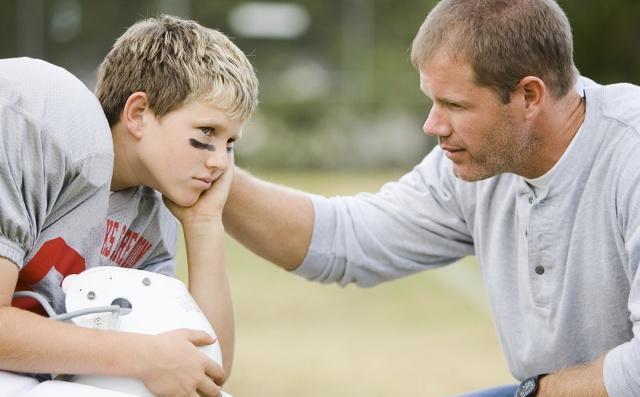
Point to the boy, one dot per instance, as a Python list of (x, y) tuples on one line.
[(176, 96), (174, 120)]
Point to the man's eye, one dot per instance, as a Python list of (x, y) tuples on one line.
[(208, 131)]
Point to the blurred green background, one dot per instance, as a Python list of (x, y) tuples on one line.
[(427, 335), (340, 112), (337, 88)]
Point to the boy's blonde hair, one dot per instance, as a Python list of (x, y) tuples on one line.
[(176, 61)]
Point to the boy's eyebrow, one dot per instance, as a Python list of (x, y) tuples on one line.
[(212, 122)]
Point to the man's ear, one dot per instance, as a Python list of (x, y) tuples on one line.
[(533, 91), (134, 113)]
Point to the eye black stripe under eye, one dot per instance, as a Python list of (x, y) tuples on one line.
[(203, 146)]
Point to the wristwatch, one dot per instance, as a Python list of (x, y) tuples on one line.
[(529, 387)]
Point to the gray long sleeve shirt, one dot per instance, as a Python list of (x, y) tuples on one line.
[(560, 264)]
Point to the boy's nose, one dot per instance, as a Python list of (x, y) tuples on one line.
[(218, 159)]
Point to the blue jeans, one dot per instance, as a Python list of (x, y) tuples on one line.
[(502, 391)]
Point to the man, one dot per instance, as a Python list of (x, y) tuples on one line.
[(536, 174)]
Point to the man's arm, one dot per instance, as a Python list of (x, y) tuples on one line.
[(410, 225), (582, 381), (168, 363), (273, 221)]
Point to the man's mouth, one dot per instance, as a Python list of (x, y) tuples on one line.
[(450, 148)]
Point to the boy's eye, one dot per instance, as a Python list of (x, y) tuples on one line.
[(208, 131)]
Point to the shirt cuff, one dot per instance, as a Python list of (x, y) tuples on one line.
[(622, 369), (11, 251), (315, 262)]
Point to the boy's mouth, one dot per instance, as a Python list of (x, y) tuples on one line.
[(207, 180)]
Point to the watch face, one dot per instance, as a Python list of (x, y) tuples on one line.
[(527, 388)]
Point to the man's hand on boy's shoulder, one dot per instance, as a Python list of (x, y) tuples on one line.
[(209, 206)]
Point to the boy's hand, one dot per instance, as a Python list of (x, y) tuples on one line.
[(210, 204), (177, 368)]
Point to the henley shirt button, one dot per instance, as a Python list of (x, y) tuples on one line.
[(530, 200), (540, 270), (526, 233)]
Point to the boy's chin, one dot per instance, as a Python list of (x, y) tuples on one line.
[(185, 200)]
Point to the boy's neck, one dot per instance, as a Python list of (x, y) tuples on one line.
[(124, 170)]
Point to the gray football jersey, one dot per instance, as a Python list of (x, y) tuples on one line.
[(56, 160), (140, 233)]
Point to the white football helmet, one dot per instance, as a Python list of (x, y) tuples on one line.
[(149, 303)]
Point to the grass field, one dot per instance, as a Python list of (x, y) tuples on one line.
[(425, 335)]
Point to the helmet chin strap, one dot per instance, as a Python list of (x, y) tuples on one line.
[(115, 310)]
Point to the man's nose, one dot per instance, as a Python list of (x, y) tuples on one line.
[(436, 124)]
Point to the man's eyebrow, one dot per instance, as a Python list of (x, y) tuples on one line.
[(441, 99), (450, 101), (444, 100)]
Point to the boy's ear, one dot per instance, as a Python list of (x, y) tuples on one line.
[(134, 112)]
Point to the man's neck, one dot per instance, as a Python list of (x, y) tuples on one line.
[(556, 131)]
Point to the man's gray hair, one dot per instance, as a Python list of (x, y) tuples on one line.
[(503, 40)]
